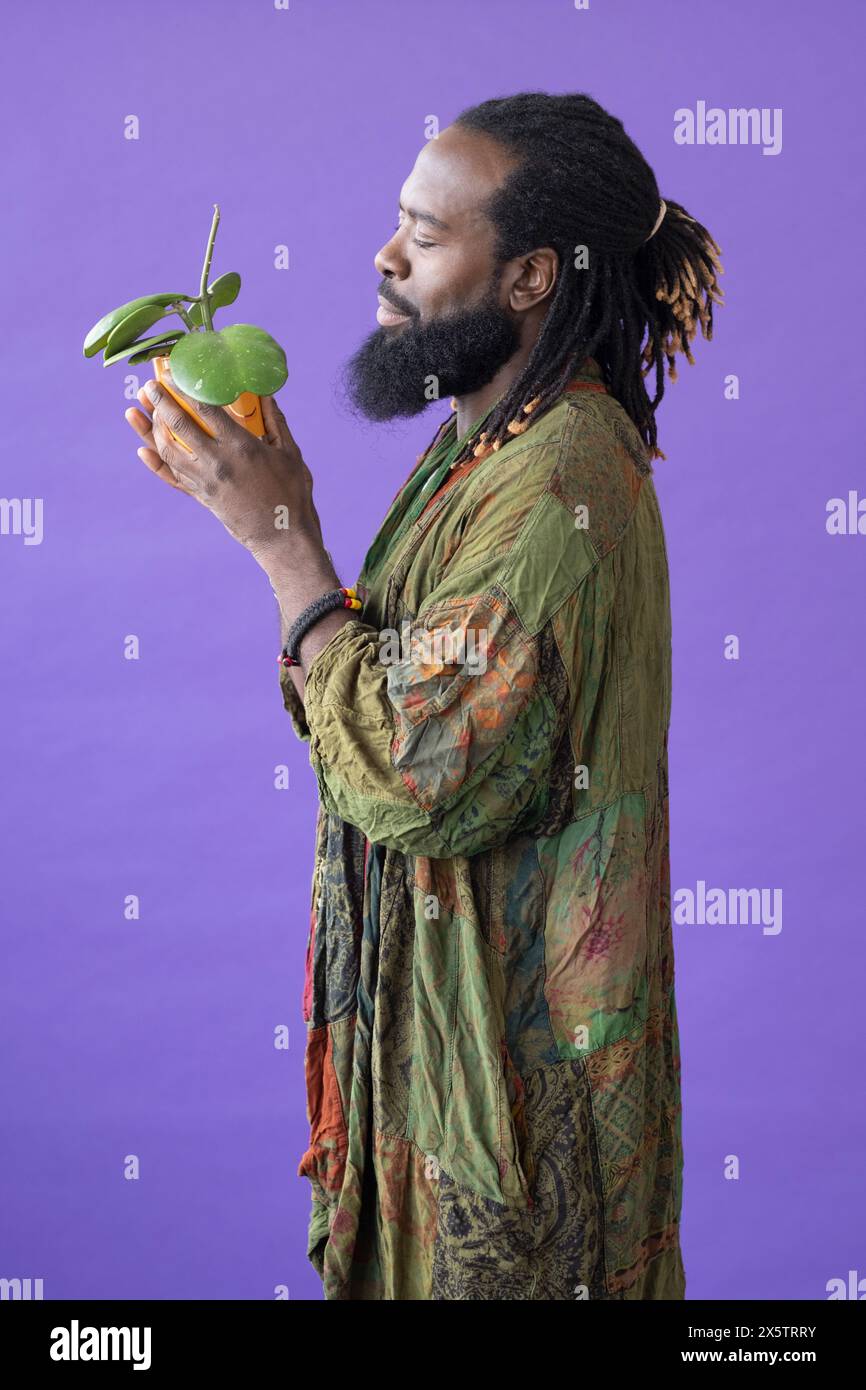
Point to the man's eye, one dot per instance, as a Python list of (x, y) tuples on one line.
[(415, 242)]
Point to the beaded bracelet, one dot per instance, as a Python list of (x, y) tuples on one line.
[(335, 598)]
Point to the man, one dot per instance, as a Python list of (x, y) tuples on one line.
[(492, 1061)]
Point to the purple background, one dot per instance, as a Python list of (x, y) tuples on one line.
[(156, 776)]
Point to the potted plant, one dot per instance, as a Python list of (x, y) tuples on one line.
[(232, 367)]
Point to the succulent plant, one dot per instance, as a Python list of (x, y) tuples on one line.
[(211, 365)]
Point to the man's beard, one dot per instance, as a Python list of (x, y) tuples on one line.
[(400, 370)]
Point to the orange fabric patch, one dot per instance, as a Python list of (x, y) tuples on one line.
[(325, 1159)]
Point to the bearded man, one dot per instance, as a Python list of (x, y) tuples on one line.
[(492, 1053)]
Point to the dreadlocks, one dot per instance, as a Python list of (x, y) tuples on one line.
[(582, 182)]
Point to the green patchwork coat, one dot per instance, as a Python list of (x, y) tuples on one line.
[(492, 1056)]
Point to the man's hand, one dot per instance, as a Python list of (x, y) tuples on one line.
[(249, 484)]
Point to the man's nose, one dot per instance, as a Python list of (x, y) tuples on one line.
[(389, 263)]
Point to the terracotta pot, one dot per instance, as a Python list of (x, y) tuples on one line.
[(247, 409)]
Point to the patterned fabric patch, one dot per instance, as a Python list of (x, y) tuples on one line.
[(596, 926), (635, 1096), (468, 675), (551, 1250)]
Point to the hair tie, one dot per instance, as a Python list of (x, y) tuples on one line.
[(663, 207)]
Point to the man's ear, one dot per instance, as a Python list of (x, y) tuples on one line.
[(536, 279)]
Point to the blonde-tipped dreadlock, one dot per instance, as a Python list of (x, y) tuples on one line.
[(582, 182), (687, 278)]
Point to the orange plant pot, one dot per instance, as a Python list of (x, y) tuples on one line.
[(247, 409)]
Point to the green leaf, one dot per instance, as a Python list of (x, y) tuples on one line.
[(98, 335), (217, 367), (133, 325), (224, 290), (144, 348), (160, 348)]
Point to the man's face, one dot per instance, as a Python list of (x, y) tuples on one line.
[(446, 327)]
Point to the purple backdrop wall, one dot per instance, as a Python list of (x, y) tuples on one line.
[(156, 1037)]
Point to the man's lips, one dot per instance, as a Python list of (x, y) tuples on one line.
[(386, 314)]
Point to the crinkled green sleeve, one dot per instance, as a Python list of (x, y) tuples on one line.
[(436, 740)]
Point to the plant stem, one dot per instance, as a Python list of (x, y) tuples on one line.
[(203, 299), (184, 315)]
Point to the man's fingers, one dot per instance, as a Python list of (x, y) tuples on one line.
[(149, 454), (277, 431), (173, 417), (160, 453), (184, 467), (140, 423), (151, 459)]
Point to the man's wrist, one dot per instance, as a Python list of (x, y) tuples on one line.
[(300, 570), (285, 551), (298, 567)]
